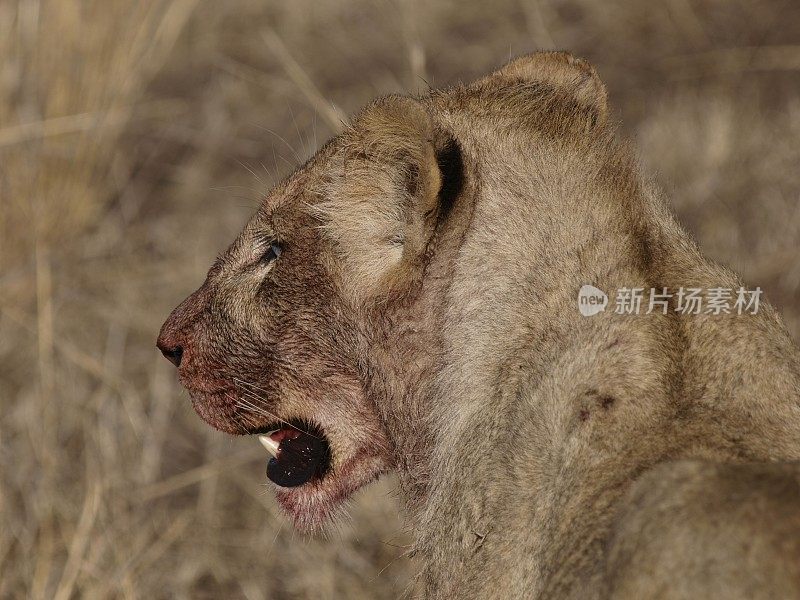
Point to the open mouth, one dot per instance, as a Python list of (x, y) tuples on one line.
[(315, 466), (300, 453)]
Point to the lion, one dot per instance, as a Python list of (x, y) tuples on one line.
[(407, 301)]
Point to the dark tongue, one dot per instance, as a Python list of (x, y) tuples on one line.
[(300, 457)]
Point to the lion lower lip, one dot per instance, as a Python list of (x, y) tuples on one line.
[(298, 455)]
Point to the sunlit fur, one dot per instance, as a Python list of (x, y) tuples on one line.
[(439, 335)]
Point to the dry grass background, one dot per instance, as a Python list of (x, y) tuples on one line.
[(136, 138)]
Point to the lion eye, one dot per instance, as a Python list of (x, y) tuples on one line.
[(273, 252)]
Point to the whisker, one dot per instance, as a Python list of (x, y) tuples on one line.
[(244, 420), (248, 384), (245, 401), (255, 409), (242, 403)]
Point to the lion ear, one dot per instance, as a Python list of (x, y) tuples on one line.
[(563, 71), (398, 136), (383, 208)]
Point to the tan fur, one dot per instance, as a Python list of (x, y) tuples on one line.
[(540, 453)]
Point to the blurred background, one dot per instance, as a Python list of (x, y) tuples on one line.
[(136, 137)]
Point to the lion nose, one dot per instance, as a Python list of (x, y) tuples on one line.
[(172, 353), (177, 335)]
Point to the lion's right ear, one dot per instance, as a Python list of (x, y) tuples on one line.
[(382, 207), (563, 71)]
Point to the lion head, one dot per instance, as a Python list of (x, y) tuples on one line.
[(322, 324)]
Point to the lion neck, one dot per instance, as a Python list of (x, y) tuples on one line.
[(482, 377), (511, 365), (497, 305), (495, 314)]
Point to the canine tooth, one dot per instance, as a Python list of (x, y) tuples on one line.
[(270, 444)]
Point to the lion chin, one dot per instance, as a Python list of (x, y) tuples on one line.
[(314, 504)]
